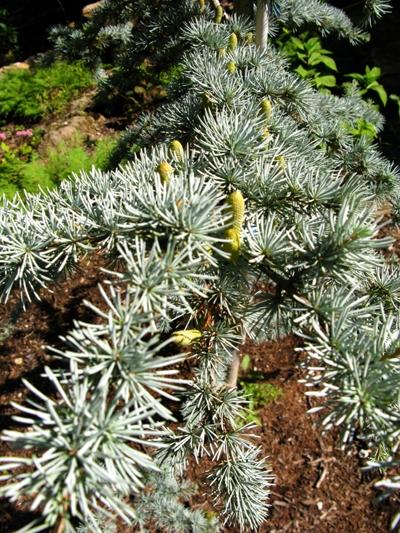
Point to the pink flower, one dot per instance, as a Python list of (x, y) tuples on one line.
[(24, 133), (3, 136)]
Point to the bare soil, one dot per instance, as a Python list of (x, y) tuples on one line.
[(318, 487)]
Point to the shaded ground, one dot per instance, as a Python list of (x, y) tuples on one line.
[(24, 335), (318, 488), (23, 338)]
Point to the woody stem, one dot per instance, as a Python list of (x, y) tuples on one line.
[(262, 24), (234, 371)]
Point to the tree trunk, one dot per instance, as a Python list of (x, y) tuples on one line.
[(262, 23), (262, 19), (234, 371)]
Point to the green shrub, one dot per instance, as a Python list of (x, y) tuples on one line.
[(368, 84), (57, 164), (28, 95), (10, 168), (62, 161), (259, 394), (312, 61)]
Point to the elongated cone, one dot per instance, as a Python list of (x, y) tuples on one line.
[(233, 246), (237, 204), (176, 149), (282, 161), (219, 13), (265, 133), (266, 107), (236, 201), (222, 52), (202, 5), (186, 337), (165, 170), (233, 41), (231, 67), (249, 38)]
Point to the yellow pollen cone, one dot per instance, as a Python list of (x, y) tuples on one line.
[(236, 201), (282, 161), (219, 13), (266, 107), (233, 41), (176, 149), (165, 170), (231, 67), (249, 38), (185, 337), (233, 246)]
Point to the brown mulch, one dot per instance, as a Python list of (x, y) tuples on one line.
[(23, 348), (23, 351), (318, 488)]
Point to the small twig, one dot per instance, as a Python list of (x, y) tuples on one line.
[(60, 526), (280, 503), (321, 477), (217, 4), (323, 460), (326, 513), (281, 496)]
